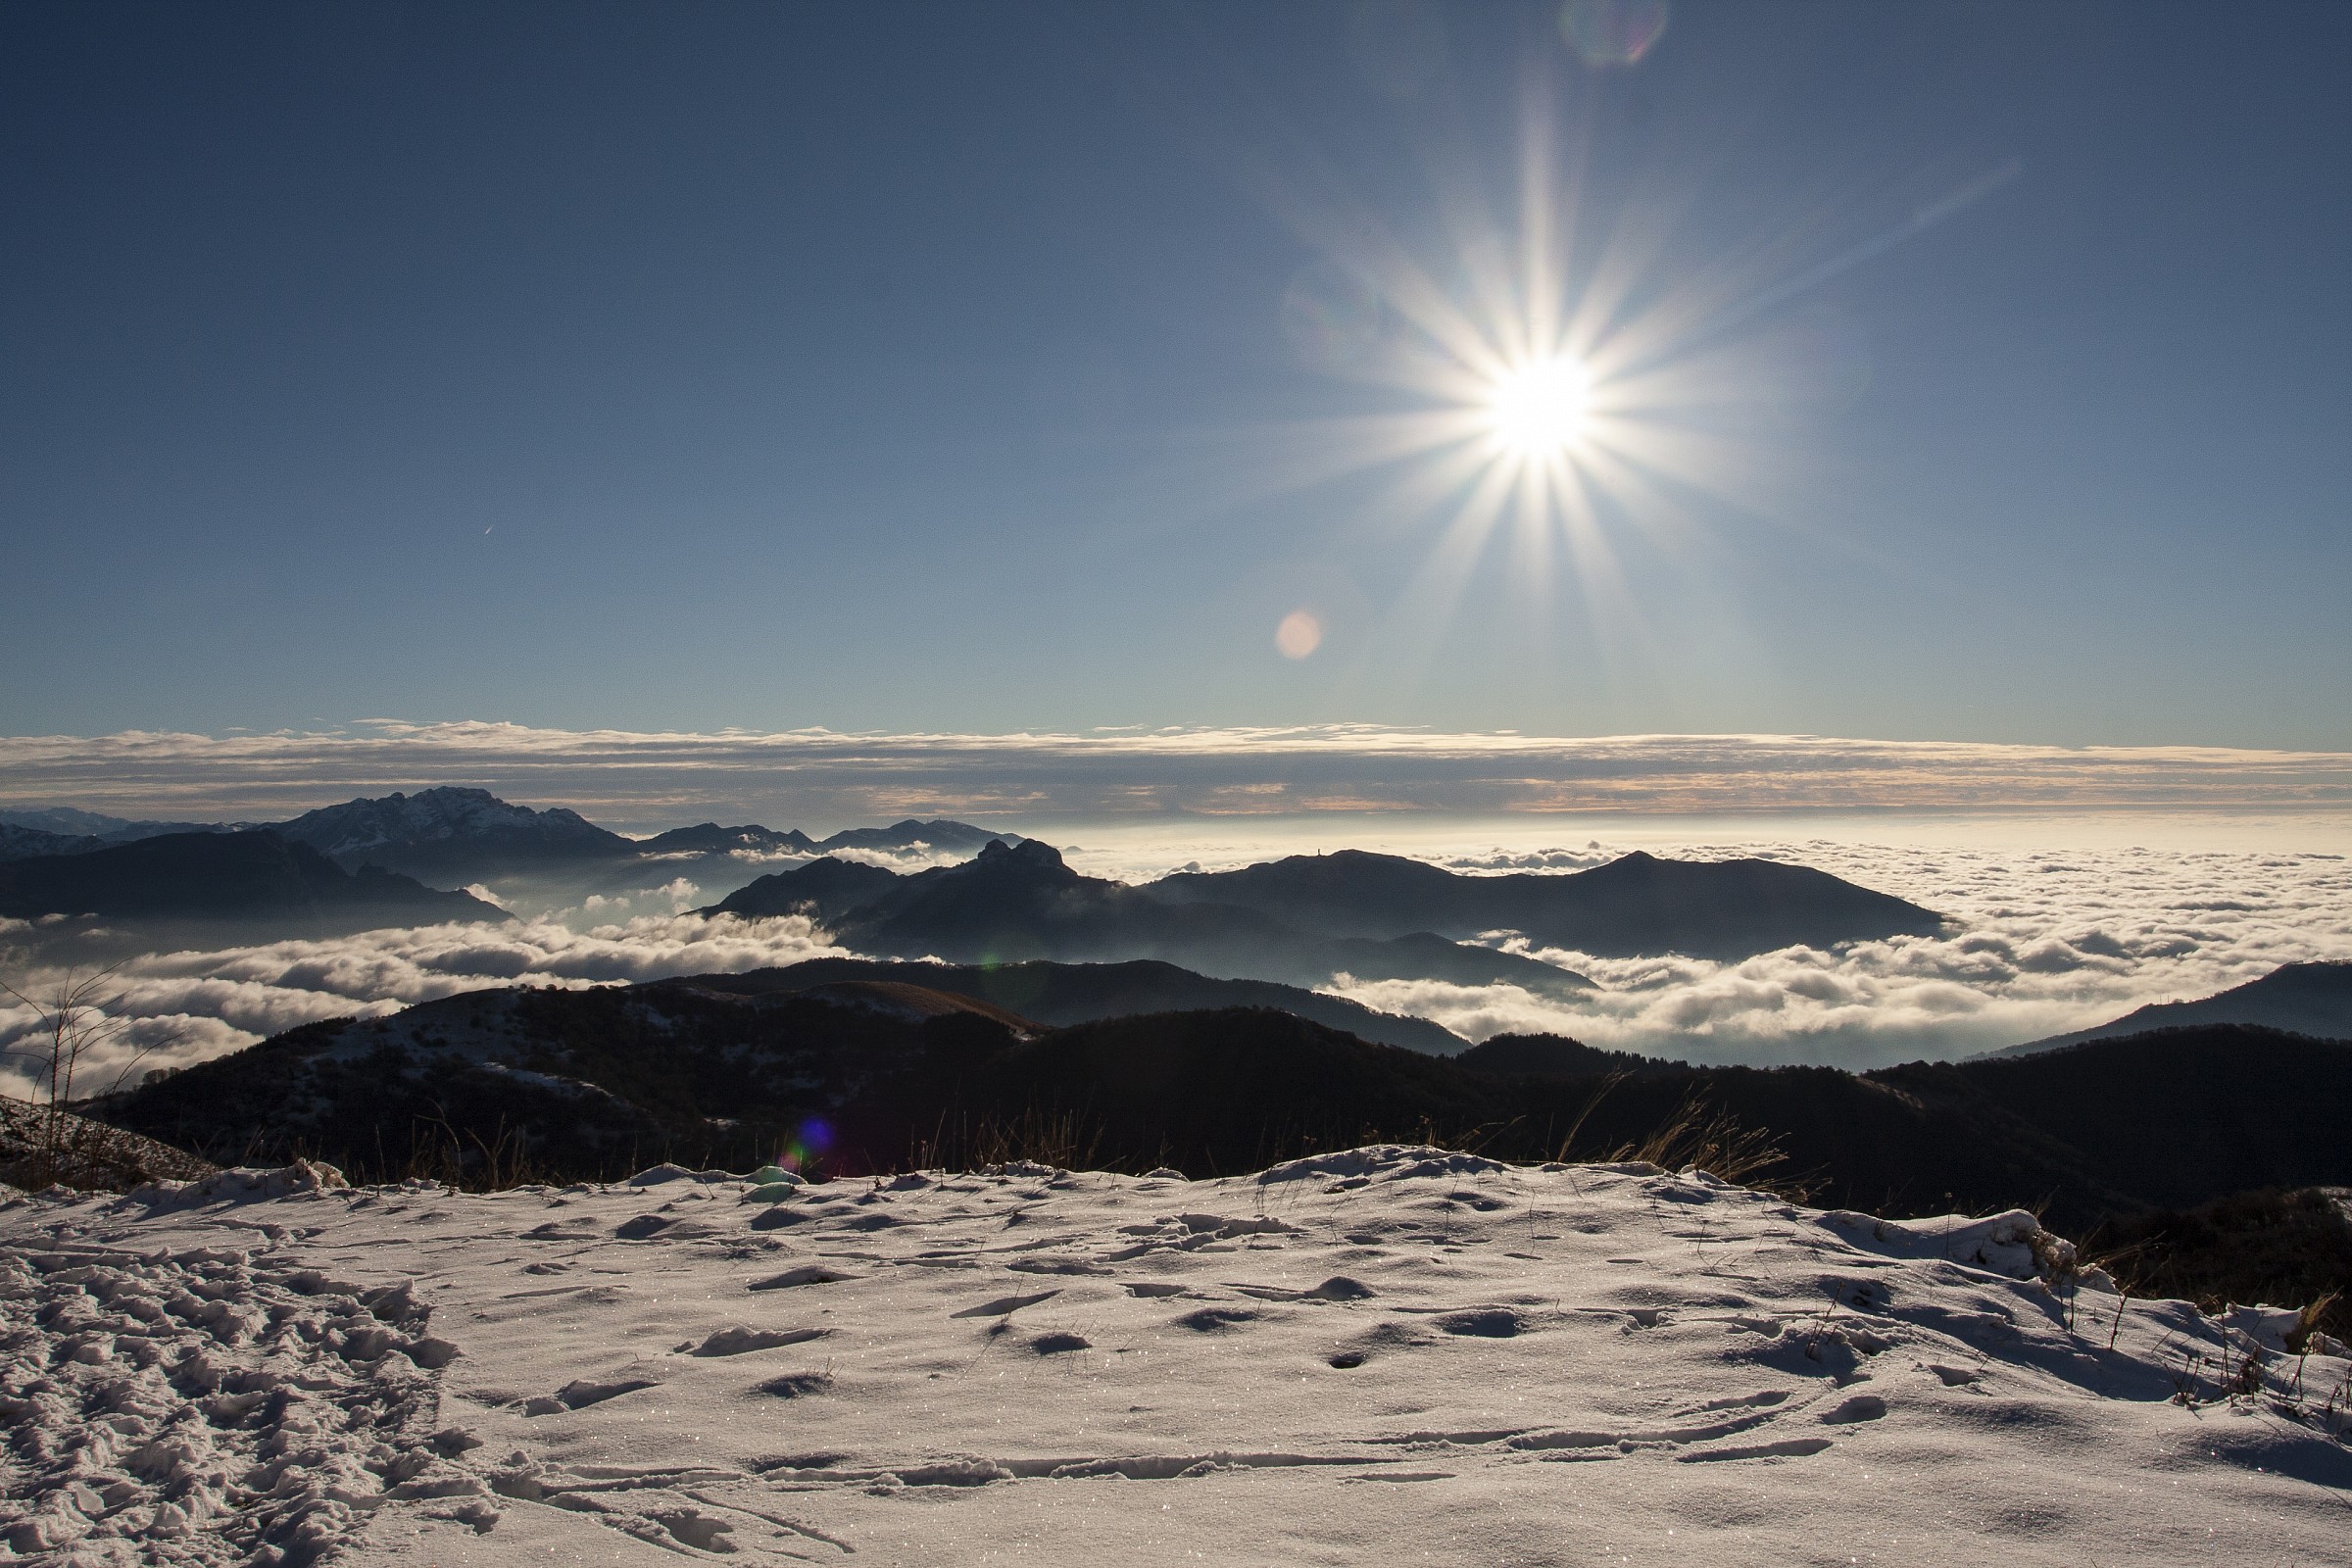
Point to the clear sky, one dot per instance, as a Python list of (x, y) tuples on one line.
[(1941, 371)]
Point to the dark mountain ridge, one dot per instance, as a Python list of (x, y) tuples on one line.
[(61, 830), (1636, 905), (227, 886), (2310, 999), (708, 838), (1291, 921), (883, 1072), (1063, 994)]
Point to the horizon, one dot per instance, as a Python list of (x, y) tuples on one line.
[(647, 783)]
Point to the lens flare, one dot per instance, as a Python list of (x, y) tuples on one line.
[(1613, 33), (1299, 634), (1537, 409), (804, 1149)]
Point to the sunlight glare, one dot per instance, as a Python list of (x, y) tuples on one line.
[(1537, 409)]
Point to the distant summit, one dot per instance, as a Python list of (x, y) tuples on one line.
[(452, 834), (938, 835), (911, 836), (63, 830), (708, 838)]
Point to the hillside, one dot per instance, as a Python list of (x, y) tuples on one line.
[(1079, 993), (725, 1070), (1635, 904), (2307, 999)]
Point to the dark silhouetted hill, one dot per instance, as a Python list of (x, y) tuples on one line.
[(2309, 998), (1632, 905), (1059, 994), (938, 835), (1019, 902), (1556, 1056), (62, 830), (708, 838), (825, 889), (249, 886), (726, 1070)]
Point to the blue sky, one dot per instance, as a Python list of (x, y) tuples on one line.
[(927, 366)]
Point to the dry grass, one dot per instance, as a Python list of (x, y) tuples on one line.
[(79, 1021), (959, 1142), (41, 1146), (1714, 1140)]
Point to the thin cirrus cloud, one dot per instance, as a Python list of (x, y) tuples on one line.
[(642, 778)]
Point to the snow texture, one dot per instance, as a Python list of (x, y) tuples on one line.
[(1390, 1355)]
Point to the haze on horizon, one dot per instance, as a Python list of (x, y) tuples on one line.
[(1926, 372)]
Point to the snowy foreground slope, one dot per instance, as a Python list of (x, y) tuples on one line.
[(1392, 1355)]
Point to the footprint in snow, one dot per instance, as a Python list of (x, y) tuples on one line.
[(1787, 1449), (1005, 1305), (1861, 1407), (1213, 1319), (807, 1274), (796, 1385), (646, 1226), (739, 1341), (580, 1393), (1338, 1287), (1485, 1324)]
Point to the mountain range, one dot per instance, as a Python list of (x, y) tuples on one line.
[(1305, 920), (239, 886), (874, 1074), (63, 830), (1059, 994), (455, 834)]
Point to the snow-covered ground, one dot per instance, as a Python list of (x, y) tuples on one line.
[(1390, 1356)]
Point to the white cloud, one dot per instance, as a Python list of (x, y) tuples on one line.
[(2047, 944), (191, 1005), (2046, 941)]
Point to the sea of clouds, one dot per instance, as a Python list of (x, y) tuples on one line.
[(2044, 939), (2043, 942)]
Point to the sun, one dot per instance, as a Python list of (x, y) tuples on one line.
[(1537, 409)]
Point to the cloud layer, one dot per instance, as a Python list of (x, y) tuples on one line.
[(182, 1007), (825, 777), (2046, 941), (2049, 942)]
